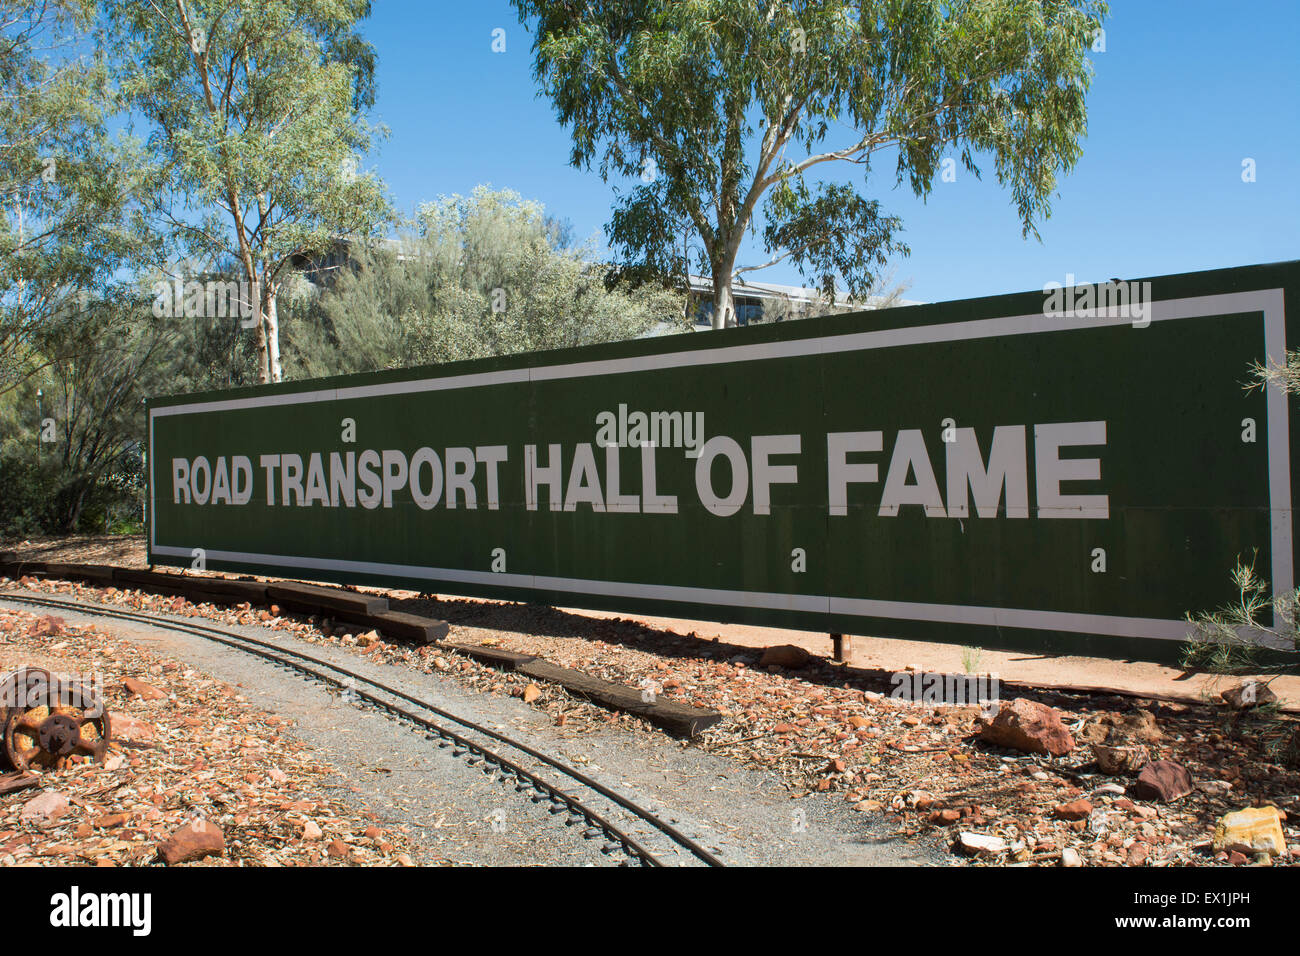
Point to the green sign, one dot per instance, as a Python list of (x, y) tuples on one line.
[(1068, 469)]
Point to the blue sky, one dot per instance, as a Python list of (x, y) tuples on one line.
[(1185, 91)]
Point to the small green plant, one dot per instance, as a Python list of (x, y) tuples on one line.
[(1232, 639), (126, 526), (970, 658)]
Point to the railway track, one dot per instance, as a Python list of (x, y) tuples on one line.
[(604, 812)]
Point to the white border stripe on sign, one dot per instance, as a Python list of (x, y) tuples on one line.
[(1270, 302)]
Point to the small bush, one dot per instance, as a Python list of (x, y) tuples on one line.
[(1235, 639), (28, 487)]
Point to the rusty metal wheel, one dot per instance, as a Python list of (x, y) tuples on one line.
[(13, 692), (8, 697), (53, 722)]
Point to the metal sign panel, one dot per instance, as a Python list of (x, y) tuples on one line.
[(1070, 469)]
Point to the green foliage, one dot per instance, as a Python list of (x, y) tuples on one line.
[(74, 433), (718, 105), (970, 658), (67, 187), (1284, 375), (1235, 638), (255, 109), (833, 232), (30, 484), (486, 274)]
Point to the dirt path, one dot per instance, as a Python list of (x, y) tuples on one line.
[(443, 808)]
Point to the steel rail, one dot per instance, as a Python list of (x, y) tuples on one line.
[(282, 656)]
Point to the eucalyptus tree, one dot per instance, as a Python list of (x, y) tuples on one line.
[(66, 215), (257, 114), (727, 108)]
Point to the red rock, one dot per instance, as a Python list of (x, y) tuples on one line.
[(338, 849), (1118, 730), (1249, 694), (1118, 761), (945, 817), (1077, 810), (1028, 726), (139, 688), (980, 844), (48, 626), (1163, 780), (1237, 859), (785, 655), (835, 766), (44, 807), (784, 729), (193, 841), (112, 820), (1138, 853)]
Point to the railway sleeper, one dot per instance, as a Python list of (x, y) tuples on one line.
[(364, 610)]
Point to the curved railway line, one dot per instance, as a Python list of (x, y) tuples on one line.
[(533, 774)]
